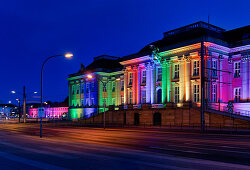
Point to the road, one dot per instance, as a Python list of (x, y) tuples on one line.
[(94, 148)]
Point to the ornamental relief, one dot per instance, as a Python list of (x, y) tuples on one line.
[(244, 58)]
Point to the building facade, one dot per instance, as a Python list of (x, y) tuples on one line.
[(169, 71), (50, 112)]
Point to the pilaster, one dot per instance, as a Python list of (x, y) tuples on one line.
[(153, 68), (164, 81), (148, 83)]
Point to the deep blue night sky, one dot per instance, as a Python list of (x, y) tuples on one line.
[(33, 30)]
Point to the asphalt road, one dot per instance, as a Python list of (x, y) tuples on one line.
[(93, 148)]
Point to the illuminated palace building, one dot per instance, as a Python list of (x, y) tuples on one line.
[(169, 71)]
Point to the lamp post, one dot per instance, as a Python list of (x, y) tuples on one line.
[(24, 103), (104, 90), (67, 55)]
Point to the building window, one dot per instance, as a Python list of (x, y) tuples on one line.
[(143, 79), (92, 87), (87, 87), (143, 94), (77, 89), (113, 101), (237, 69), (214, 68), (237, 93), (73, 89), (122, 85), (92, 101), (130, 78), (82, 88), (122, 99), (104, 87), (105, 101), (159, 73), (176, 94), (196, 68), (176, 71), (196, 93), (130, 97), (214, 93), (82, 102), (87, 102), (113, 86)]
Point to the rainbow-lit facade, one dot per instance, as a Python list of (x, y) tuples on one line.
[(169, 70)]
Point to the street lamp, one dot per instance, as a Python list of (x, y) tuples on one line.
[(104, 102), (67, 55)]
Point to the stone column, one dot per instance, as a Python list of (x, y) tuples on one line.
[(181, 80), (244, 78), (153, 68), (187, 79), (138, 85), (168, 81), (134, 89), (248, 73), (148, 83), (220, 79), (126, 87), (164, 82)]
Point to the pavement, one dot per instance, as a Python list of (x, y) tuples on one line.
[(96, 148)]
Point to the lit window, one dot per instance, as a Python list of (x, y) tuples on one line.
[(104, 101), (214, 93), (87, 87), (176, 71), (237, 94), (73, 89), (77, 89), (122, 99), (92, 101), (130, 97), (196, 93), (143, 94), (122, 85), (82, 88), (130, 78), (113, 86), (92, 86), (143, 76), (113, 101), (196, 68), (214, 68), (176, 94), (159, 73), (237, 69)]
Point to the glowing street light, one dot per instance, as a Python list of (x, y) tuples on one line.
[(9, 102), (35, 92), (89, 76), (68, 55), (13, 92)]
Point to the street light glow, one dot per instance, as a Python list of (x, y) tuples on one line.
[(90, 76), (9, 101), (68, 55), (13, 91), (35, 92)]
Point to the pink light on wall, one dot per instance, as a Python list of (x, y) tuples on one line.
[(51, 112)]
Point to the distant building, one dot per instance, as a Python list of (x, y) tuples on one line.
[(169, 71), (50, 112), (7, 110)]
